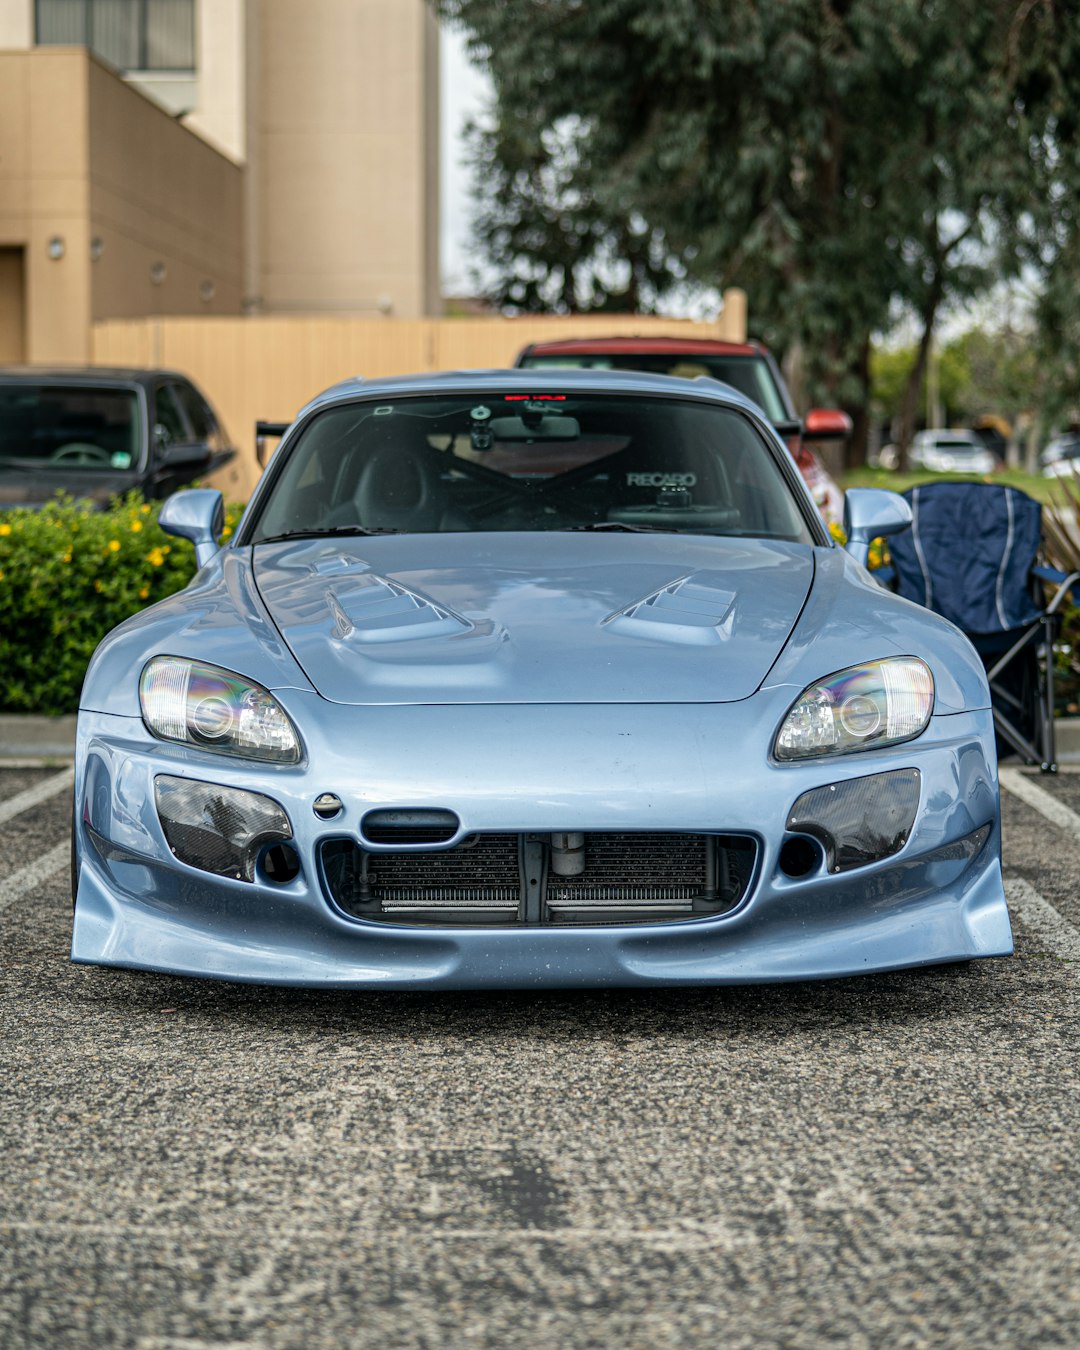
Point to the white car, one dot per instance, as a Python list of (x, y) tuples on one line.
[(1061, 457), (951, 452)]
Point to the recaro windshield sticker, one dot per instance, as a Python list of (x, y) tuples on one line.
[(661, 480)]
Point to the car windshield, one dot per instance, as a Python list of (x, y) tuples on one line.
[(956, 446), (58, 427), (750, 375), (522, 461)]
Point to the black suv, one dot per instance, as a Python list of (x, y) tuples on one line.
[(98, 433)]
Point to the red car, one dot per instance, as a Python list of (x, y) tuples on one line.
[(748, 367)]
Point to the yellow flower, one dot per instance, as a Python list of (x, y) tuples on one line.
[(67, 557), (879, 555), (114, 545), (155, 557), (145, 509), (136, 526), (98, 586), (144, 593), (226, 532), (5, 529)]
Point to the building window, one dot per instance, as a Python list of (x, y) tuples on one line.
[(129, 34)]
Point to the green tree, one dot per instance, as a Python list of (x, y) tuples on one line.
[(890, 370), (834, 157), (999, 374), (890, 376), (1059, 336), (549, 245), (983, 372)]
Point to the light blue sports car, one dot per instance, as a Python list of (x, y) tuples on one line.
[(522, 679)]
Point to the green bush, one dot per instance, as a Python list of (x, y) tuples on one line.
[(67, 576)]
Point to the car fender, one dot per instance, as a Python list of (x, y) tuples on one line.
[(219, 618), (849, 619)]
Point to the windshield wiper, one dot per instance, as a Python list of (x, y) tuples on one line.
[(623, 525), (323, 533)]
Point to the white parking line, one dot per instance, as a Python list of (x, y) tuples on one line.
[(1048, 806), (44, 761), (691, 1236), (33, 874), (23, 801), (1041, 920)]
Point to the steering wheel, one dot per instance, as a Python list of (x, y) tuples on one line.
[(80, 452)]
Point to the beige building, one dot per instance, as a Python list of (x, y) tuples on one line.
[(213, 157)]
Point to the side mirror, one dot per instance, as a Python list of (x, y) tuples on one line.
[(181, 454), (826, 424), (198, 515), (262, 430), (869, 514)]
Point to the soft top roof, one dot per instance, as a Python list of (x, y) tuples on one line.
[(505, 380)]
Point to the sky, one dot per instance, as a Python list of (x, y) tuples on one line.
[(462, 94)]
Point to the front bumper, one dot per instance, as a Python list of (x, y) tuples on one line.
[(517, 768)]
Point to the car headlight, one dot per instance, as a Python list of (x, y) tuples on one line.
[(214, 709), (860, 708)]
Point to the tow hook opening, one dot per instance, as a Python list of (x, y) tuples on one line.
[(799, 856), (280, 863)]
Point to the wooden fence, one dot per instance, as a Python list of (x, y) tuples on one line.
[(270, 366)]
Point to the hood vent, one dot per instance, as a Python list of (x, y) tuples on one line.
[(692, 610), (369, 608)]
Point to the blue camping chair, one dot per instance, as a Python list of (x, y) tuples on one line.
[(971, 555)]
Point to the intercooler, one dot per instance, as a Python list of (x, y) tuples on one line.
[(521, 879)]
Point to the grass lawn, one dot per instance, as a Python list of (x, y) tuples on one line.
[(1048, 490)]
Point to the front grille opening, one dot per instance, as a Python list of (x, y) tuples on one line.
[(479, 881), (508, 879), (409, 828)]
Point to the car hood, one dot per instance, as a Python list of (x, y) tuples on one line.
[(534, 618)]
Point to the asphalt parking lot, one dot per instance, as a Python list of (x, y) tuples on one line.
[(884, 1161)]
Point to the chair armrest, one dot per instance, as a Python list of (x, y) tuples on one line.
[(1064, 581), (1049, 574)]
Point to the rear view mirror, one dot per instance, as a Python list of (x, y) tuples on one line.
[(198, 515), (548, 428), (872, 513)]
